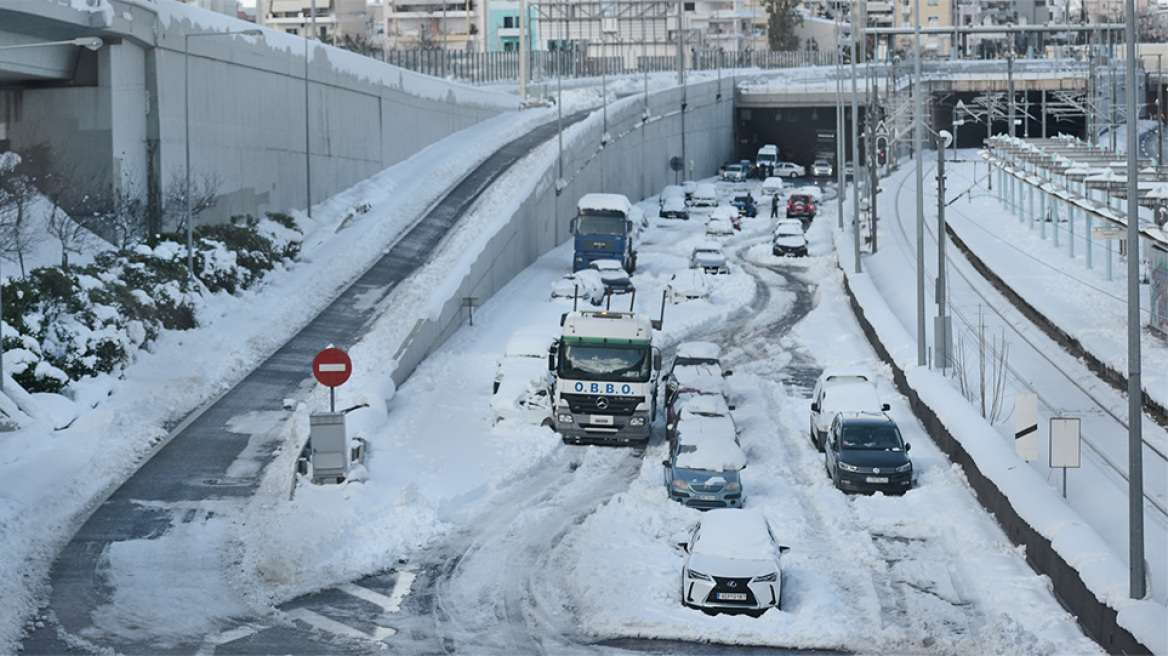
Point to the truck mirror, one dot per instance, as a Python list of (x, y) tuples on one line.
[(572, 226), (657, 360), (563, 317), (551, 361)]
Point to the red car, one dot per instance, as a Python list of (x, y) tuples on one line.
[(801, 206)]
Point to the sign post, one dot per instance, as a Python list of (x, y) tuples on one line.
[(332, 367), (1065, 447)]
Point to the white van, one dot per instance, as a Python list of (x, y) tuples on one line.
[(768, 155), (705, 195)]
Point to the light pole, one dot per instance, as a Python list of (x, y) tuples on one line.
[(941, 330), (187, 136), (92, 43)]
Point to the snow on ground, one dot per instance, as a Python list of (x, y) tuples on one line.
[(436, 457)]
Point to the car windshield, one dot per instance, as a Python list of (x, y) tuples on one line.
[(871, 438), (601, 225), (606, 362)]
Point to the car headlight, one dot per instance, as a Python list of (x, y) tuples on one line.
[(565, 418), (767, 578), (637, 421), (733, 486), (850, 468), (903, 468), (694, 574), (680, 484)]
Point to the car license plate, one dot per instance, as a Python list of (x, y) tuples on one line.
[(603, 420), (877, 479), (707, 497), (731, 596)]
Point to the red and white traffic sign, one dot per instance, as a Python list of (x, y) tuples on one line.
[(332, 367)]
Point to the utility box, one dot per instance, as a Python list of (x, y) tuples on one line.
[(327, 443)]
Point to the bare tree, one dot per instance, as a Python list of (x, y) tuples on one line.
[(204, 193), (991, 369), (18, 234)]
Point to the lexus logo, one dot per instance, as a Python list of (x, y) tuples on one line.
[(875, 470), (731, 584), (602, 403)]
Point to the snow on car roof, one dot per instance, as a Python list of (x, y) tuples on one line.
[(607, 265), (703, 404), (704, 350), (855, 396), (708, 443), (847, 372), (724, 212), (735, 533)]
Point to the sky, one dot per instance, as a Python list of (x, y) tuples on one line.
[(929, 572)]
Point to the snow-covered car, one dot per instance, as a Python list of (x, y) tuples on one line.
[(674, 207), (688, 186), (705, 195), (585, 284), (789, 170), (693, 403), (821, 168), (733, 173), (708, 256), (866, 453), (789, 238), (728, 212), (772, 185), (801, 206), (671, 191), (849, 169), (845, 388), (732, 563), (696, 367), (614, 277), (688, 285), (704, 462), (719, 227), (520, 388)]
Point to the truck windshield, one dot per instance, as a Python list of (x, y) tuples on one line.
[(606, 362), (601, 225)]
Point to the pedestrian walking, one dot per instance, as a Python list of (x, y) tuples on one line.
[(775, 206)]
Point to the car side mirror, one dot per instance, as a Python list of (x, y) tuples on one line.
[(783, 550), (684, 546), (885, 407), (727, 373), (907, 446), (814, 407), (832, 443), (731, 407), (664, 463)]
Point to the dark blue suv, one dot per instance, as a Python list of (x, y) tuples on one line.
[(865, 453)]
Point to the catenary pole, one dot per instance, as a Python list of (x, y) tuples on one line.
[(918, 125), (1134, 388)]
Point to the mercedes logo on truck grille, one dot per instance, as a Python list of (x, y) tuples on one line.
[(602, 403)]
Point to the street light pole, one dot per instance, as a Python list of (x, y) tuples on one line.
[(187, 136), (918, 125)]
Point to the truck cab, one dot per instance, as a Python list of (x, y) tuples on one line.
[(605, 372), (606, 228)]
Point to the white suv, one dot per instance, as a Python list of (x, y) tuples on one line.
[(841, 389)]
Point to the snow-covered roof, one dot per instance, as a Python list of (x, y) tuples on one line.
[(702, 350), (613, 202), (735, 533)]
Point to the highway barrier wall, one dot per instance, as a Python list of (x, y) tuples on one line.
[(635, 161), (1086, 587)]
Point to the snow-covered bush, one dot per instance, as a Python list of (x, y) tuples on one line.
[(67, 323)]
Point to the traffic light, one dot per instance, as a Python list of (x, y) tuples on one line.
[(881, 151)]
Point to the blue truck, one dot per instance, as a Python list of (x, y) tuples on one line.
[(606, 227)]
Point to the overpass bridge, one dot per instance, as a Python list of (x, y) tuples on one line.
[(271, 121)]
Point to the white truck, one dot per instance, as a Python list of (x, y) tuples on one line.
[(604, 370)]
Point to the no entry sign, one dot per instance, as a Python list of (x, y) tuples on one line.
[(332, 367)]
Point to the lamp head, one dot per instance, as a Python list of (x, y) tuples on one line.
[(91, 42)]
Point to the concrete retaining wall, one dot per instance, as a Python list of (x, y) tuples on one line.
[(123, 120), (635, 163)]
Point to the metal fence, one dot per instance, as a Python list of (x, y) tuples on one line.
[(485, 67)]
